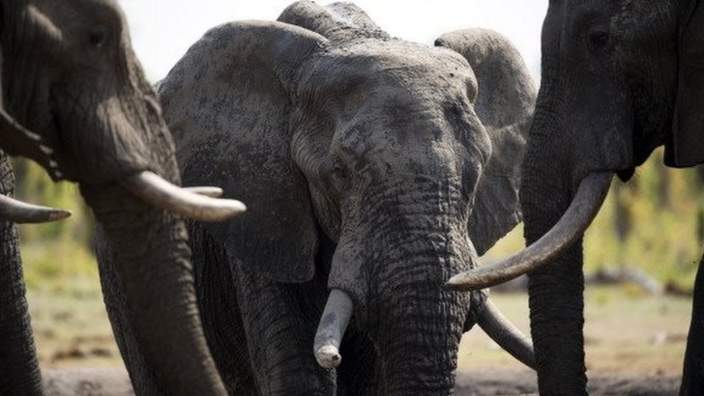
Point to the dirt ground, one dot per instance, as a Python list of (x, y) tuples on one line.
[(635, 344)]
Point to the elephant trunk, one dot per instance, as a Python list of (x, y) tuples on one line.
[(145, 259), (556, 289), (419, 337), (18, 358)]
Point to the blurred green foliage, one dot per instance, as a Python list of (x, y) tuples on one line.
[(56, 256), (654, 222)]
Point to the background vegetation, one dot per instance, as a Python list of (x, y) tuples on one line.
[(655, 222)]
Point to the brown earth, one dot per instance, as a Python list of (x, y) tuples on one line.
[(634, 345)]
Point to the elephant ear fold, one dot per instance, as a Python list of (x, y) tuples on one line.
[(505, 105), (228, 103), (686, 145)]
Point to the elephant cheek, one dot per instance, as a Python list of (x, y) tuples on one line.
[(117, 137)]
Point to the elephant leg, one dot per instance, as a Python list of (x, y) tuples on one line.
[(220, 313), (280, 321), (693, 376), (19, 369), (359, 373)]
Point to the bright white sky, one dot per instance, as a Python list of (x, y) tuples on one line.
[(162, 30)]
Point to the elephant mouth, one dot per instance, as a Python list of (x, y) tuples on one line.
[(575, 221)]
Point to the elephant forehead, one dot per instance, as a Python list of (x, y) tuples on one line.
[(391, 63)]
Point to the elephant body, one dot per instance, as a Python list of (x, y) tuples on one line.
[(372, 167)]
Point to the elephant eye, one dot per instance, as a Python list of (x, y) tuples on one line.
[(598, 39), (97, 39)]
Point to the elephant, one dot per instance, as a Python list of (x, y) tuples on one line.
[(77, 102), (619, 79), (373, 168)]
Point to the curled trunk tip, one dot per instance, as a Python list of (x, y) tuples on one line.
[(580, 214)]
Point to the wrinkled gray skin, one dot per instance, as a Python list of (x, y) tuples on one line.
[(70, 76), (619, 79), (369, 164)]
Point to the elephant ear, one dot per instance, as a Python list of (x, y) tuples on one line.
[(505, 105), (686, 146), (228, 103)]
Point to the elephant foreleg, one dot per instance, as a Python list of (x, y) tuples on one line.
[(19, 369), (280, 321), (693, 376)]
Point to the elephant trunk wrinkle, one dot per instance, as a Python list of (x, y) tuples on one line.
[(419, 338)]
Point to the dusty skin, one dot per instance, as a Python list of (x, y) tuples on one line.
[(642, 358)]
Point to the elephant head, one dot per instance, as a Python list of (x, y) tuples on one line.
[(77, 102), (619, 78), (405, 156)]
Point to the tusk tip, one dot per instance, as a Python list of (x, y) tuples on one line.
[(328, 356), (59, 214), (465, 281), (236, 207)]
